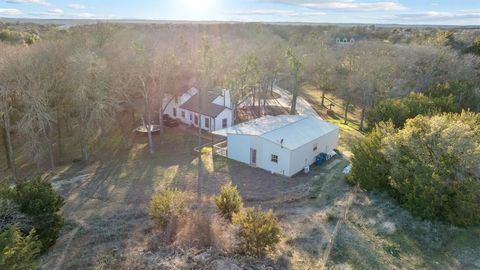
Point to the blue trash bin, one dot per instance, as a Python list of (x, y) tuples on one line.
[(321, 159)]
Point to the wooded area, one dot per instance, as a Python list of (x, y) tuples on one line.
[(67, 96), (80, 83)]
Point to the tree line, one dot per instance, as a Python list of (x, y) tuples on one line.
[(64, 94), (430, 165)]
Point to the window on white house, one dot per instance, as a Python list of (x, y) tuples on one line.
[(183, 114), (274, 158), (196, 119), (207, 123), (174, 112), (315, 147), (191, 116), (224, 123)]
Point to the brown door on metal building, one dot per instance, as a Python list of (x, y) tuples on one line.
[(253, 157)]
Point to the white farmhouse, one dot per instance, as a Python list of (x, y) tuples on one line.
[(215, 113), (283, 144)]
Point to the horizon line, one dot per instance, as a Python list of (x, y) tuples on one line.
[(234, 21)]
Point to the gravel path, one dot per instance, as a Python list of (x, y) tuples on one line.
[(303, 107)]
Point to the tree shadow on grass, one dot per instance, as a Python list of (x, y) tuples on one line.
[(110, 200)]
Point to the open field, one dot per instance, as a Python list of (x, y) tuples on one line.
[(107, 225)]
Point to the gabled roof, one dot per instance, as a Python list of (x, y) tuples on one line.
[(208, 108), (294, 130)]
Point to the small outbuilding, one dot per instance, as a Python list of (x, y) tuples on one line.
[(283, 144)]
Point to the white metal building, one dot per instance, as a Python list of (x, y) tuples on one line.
[(283, 144), (215, 113)]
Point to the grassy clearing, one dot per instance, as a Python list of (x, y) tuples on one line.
[(115, 192), (349, 132)]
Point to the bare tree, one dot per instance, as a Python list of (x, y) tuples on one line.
[(95, 104), (37, 116), (7, 64), (320, 66), (296, 74)]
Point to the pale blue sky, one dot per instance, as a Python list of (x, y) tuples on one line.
[(450, 12)]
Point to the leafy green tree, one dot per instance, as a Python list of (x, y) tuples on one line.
[(370, 167), (41, 203), (229, 201), (435, 168), (420, 104), (466, 95), (393, 110), (18, 252), (399, 110), (430, 166), (259, 231), (475, 48)]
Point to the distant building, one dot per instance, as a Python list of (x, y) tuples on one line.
[(215, 113), (283, 144), (345, 41)]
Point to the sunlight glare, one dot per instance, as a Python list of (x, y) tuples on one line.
[(199, 6)]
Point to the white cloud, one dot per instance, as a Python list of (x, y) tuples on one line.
[(83, 15), (76, 6), (265, 12), (10, 12), (439, 16), (356, 6), (459, 17), (344, 5), (276, 12), (56, 11), (37, 2)]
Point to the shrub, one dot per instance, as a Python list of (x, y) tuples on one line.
[(10, 214), (229, 201), (331, 217), (41, 203), (167, 206), (16, 37), (18, 251), (259, 231), (370, 168)]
